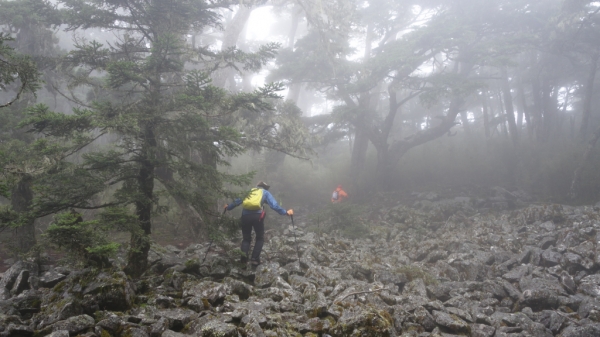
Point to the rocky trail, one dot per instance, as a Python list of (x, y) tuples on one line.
[(440, 267)]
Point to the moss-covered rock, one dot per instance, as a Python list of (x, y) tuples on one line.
[(219, 329), (75, 324), (365, 321), (111, 291)]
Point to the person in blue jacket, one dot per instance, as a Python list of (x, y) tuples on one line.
[(253, 216)]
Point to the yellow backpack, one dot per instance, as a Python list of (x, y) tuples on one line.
[(252, 201)]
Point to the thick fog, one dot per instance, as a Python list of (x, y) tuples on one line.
[(400, 145)]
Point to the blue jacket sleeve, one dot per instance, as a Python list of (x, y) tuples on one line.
[(268, 198), (234, 204)]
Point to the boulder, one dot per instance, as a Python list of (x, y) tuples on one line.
[(365, 321), (213, 292), (110, 291), (50, 278), (266, 274), (451, 322), (219, 329), (75, 325)]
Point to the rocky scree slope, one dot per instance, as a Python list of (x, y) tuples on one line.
[(440, 268)]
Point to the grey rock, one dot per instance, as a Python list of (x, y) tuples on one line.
[(253, 330), (171, 333), (517, 273), (159, 327), (21, 283), (552, 320), (324, 276), (451, 322), (573, 263), (212, 291), (548, 226), (28, 302), (540, 299), (424, 318), (581, 331), (356, 320), (496, 289), (550, 258), (10, 276), (177, 317), (415, 287), (587, 306), (50, 278), (590, 285), (164, 302), (219, 329), (59, 333), (111, 291), (511, 290), (482, 330), (254, 317), (134, 331), (266, 274), (460, 313), (75, 324), (547, 242), (567, 281), (111, 324), (389, 277), (18, 330)]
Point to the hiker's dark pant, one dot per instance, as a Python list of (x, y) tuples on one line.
[(250, 221)]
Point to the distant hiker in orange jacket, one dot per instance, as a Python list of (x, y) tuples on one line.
[(338, 195)]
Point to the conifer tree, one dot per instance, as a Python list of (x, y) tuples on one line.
[(152, 91)]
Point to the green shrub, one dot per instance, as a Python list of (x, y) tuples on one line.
[(85, 241)]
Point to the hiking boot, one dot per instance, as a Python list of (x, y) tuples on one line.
[(255, 262), (243, 259)]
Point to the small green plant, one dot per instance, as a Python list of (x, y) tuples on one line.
[(85, 241)]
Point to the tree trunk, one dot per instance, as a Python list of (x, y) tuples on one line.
[(384, 169), (485, 112), (191, 216), (509, 108), (362, 124), (296, 12), (538, 118), (294, 88), (137, 259), (21, 201), (548, 108), (588, 96), (464, 120), (525, 108), (230, 37), (586, 158)]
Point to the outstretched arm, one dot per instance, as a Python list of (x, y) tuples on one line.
[(234, 204), (270, 200)]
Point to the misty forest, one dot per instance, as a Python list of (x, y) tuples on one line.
[(318, 168)]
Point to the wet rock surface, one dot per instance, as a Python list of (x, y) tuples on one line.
[(440, 267)]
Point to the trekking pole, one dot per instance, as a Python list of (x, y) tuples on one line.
[(211, 239), (296, 240)]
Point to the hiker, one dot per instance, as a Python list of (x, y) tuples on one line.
[(338, 195), (253, 216)]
